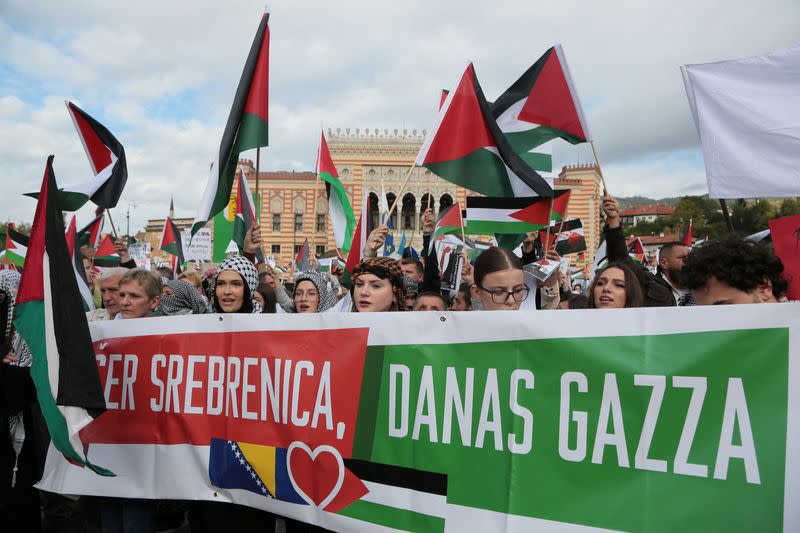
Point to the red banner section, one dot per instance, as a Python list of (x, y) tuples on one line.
[(264, 387)]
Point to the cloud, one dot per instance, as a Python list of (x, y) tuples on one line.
[(161, 75)]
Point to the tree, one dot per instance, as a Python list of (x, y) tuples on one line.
[(789, 207), (748, 219), (704, 213)]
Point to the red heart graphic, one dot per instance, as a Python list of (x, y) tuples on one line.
[(316, 473)]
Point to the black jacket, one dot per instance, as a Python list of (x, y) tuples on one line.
[(656, 291)]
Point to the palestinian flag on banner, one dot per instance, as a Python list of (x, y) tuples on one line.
[(107, 159), (488, 216), (302, 261), (171, 240), (48, 315), (245, 216), (449, 222), (467, 147), (358, 243), (687, 238), (16, 246), (106, 255), (246, 127), (90, 234), (542, 105), (342, 218), (74, 251)]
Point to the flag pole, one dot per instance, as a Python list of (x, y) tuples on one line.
[(402, 189), (258, 193), (727, 214), (116, 237), (599, 168), (547, 237)]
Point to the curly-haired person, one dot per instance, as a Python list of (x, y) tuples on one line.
[(734, 271)]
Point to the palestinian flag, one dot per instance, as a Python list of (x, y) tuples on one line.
[(560, 202), (542, 105), (358, 243), (107, 159), (687, 238), (90, 234), (342, 218), (449, 222), (303, 262), (570, 237), (16, 246), (636, 250), (106, 255), (48, 316), (488, 216), (74, 251), (467, 147), (245, 216), (246, 127), (171, 240), (442, 98)]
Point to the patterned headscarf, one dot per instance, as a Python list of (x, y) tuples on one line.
[(384, 268), (327, 291), (185, 300), (9, 284), (249, 274), (410, 286)]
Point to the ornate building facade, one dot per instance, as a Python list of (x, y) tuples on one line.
[(294, 206)]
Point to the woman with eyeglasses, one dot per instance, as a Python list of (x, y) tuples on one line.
[(499, 282)]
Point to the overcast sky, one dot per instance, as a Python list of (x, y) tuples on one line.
[(161, 76)]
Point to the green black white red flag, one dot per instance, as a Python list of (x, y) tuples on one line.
[(245, 216), (107, 159), (467, 147), (542, 105), (489, 216), (246, 127), (303, 261), (49, 316), (74, 250), (16, 245), (687, 238), (358, 243), (449, 222), (90, 234), (342, 218), (106, 255), (171, 240)]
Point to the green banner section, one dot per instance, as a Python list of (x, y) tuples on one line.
[(654, 433)]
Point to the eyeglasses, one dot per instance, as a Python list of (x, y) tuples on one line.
[(499, 296)]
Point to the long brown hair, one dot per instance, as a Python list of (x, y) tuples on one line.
[(633, 292)]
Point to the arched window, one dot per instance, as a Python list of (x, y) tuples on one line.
[(445, 201), (373, 211), (390, 198), (409, 212), (425, 202)]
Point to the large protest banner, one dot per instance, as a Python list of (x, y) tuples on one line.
[(630, 420)]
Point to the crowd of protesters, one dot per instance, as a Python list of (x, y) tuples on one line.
[(732, 271)]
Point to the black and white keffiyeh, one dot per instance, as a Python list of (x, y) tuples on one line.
[(185, 299), (325, 288), (244, 268)]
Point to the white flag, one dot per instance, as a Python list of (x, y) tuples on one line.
[(747, 113)]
